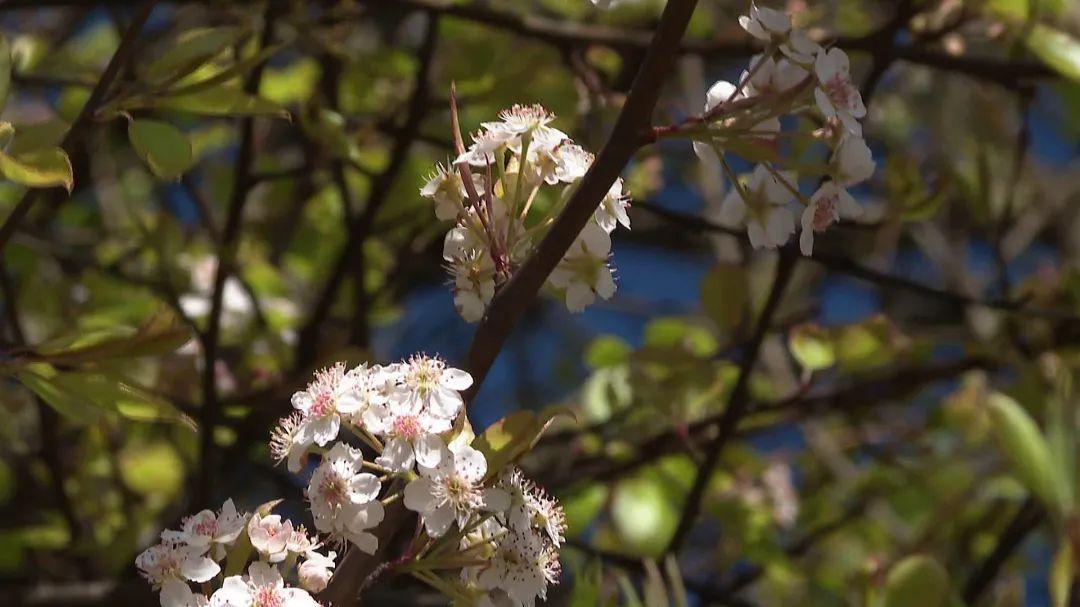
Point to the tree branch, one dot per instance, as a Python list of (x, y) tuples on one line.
[(74, 134), (737, 402), (511, 300), (1026, 519), (230, 236)]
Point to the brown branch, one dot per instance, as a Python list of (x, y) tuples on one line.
[(1026, 519), (230, 236), (737, 403), (361, 228), (885, 280), (512, 299), (566, 34), (120, 58)]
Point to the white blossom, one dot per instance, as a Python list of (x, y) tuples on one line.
[(284, 443), (523, 565), (330, 396), (769, 223), (270, 536), (315, 571), (765, 23), (447, 190), (612, 209), (344, 499), (852, 162), (172, 560), (583, 272), (261, 587), (175, 593), (835, 94), (827, 206), (531, 508), (209, 530), (451, 491)]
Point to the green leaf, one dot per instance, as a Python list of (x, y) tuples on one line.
[(190, 50), (5, 71), (723, 294), (505, 441), (40, 379), (222, 100), (37, 136), (163, 147), (1056, 48), (1023, 445), (644, 513), (85, 396), (607, 351), (160, 334), (812, 346), (1061, 576), (917, 581), (38, 169)]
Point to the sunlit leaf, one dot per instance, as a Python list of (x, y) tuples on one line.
[(41, 380), (812, 346), (39, 168), (505, 441), (37, 136), (191, 49), (1056, 48)]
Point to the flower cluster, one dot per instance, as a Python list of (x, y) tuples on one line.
[(793, 75), (410, 415), (502, 193), (195, 553)]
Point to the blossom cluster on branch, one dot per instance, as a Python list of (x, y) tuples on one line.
[(495, 528), (793, 76), (502, 193)]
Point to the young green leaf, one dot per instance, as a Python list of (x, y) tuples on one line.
[(163, 147), (1027, 452), (190, 50), (40, 379), (1056, 48), (38, 169), (512, 436), (917, 581)]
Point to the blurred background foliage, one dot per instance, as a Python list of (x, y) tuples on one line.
[(290, 140)]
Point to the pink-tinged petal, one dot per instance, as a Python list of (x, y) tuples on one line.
[(419, 495), (296, 597), (175, 593), (438, 520)]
